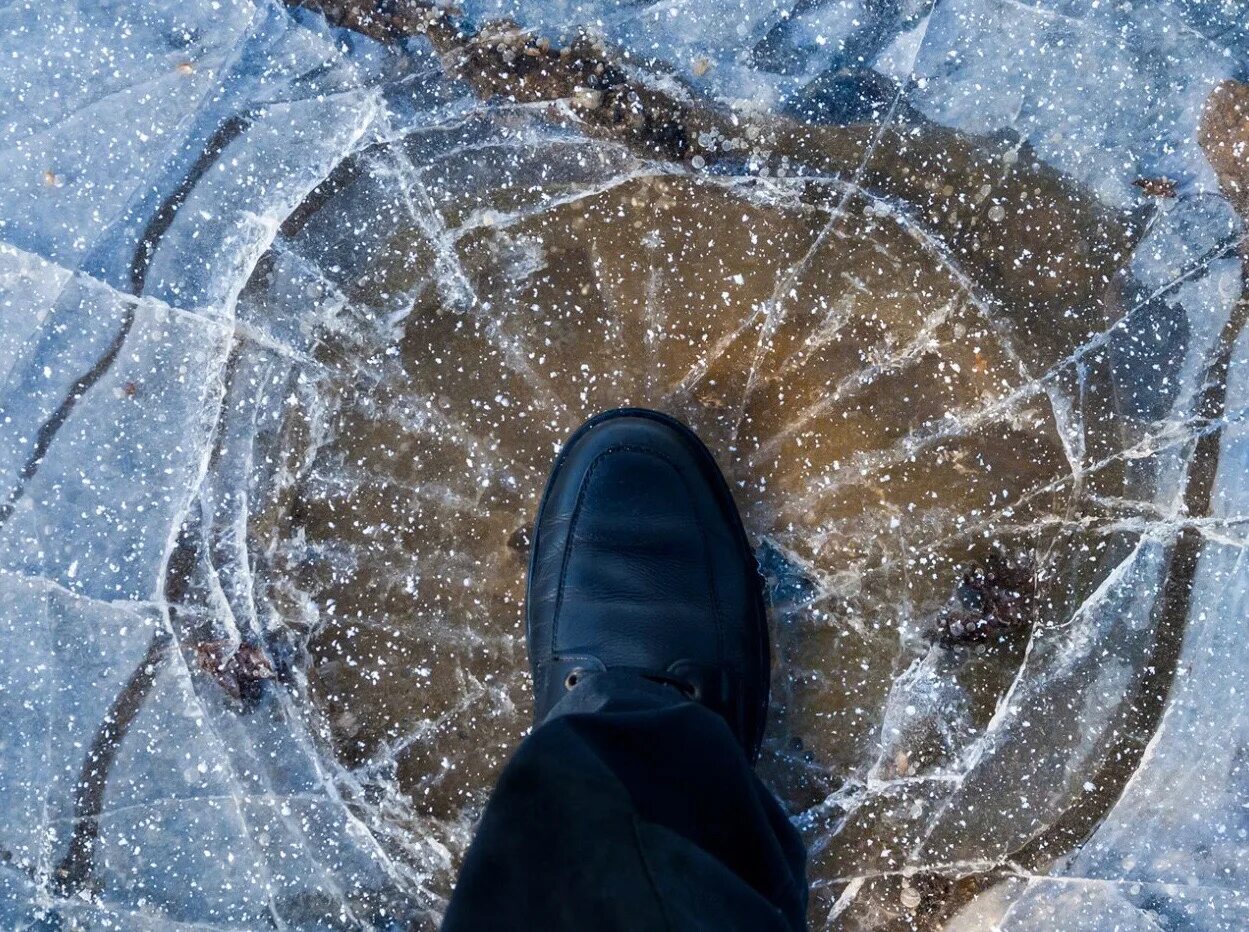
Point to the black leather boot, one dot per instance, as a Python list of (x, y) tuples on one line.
[(640, 565)]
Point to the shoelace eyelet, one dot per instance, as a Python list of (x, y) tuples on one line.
[(572, 679)]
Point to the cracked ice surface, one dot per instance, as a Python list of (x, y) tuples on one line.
[(293, 322)]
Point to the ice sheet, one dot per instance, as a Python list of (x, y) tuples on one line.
[(296, 310)]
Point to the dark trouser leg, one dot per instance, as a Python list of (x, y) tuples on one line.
[(631, 809)]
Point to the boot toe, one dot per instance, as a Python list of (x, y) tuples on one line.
[(640, 562)]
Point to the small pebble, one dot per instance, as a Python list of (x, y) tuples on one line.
[(911, 897), (587, 98)]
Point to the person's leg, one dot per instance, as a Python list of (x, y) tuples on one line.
[(635, 809), (633, 804)]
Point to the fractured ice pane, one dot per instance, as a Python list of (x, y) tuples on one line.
[(292, 327)]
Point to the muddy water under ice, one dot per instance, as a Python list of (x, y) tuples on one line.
[(885, 429)]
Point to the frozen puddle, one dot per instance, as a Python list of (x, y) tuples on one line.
[(296, 314)]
